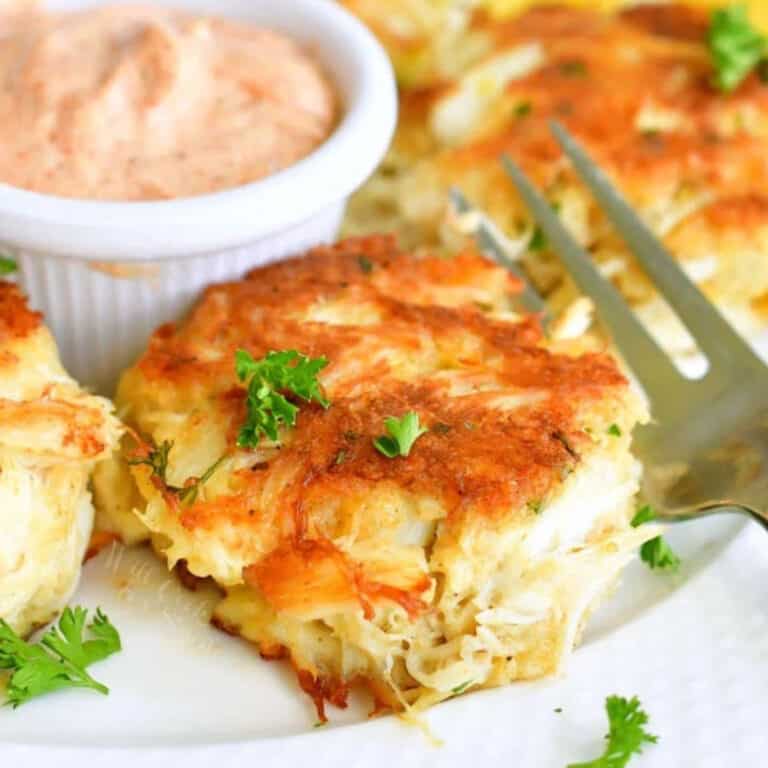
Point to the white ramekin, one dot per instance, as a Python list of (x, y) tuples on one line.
[(106, 274)]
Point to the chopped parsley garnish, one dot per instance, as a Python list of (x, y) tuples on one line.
[(156, 458), (656, 553), (288, 371), (573, 68), (461, 688), (366, 265), (643, 515), (341, 457), (538, 241), (189, 492), (736, 47), (626, 734), (614, 430), (535, 506), (403, 433), (60, 658), (7, 265), (523, 109)]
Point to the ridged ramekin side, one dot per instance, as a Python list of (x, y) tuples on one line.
[(102, 313)]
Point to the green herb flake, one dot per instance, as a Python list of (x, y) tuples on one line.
[(157, 460), (60, 659), (645, 514), (538, 242), (341, 457), (573, 68), (558, 710), (614, 430), (735, 46), (651, 135), (461, 688), (188, 493), (626, 735), (441, 429), (523, 109), (402, 434), (656, 552), (7, 265), (365, 264), (288, 371), (535, 506)]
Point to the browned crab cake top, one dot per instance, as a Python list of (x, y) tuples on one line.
[(508, 418)]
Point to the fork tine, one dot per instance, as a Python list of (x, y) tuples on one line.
[(488, 243), (653, 369), (715, 336)]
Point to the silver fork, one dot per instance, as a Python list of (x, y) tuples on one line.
[(706, 450)]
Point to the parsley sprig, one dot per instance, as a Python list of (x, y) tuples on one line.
[(656, 552), (459, 689), (156, 458), (626, 734), (288, 371), (736, 47), (60, 659), (403, 433), (7, 265)]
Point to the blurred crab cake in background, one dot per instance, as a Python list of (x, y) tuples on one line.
[(643, 91), (426, 39), (394, 478), (52, 434)]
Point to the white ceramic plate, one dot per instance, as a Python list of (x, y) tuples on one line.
[(693, 646)]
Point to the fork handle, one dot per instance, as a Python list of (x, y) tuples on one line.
[(716, 509)]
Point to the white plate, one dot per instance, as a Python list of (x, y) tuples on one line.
[(693, 646)]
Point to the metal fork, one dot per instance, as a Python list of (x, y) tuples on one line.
[(706, 450)]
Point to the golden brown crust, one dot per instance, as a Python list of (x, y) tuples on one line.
[(293, 575), (600, 74), (17, 320), (746, 212), (681, 22), (636, 88), (79, 431), (476, 456), (592, 84)]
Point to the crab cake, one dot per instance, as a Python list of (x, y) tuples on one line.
[(52, 433), (470, 562), (636, 88), (426, 39)]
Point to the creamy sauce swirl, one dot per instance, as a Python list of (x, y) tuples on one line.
[(144, 103)]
